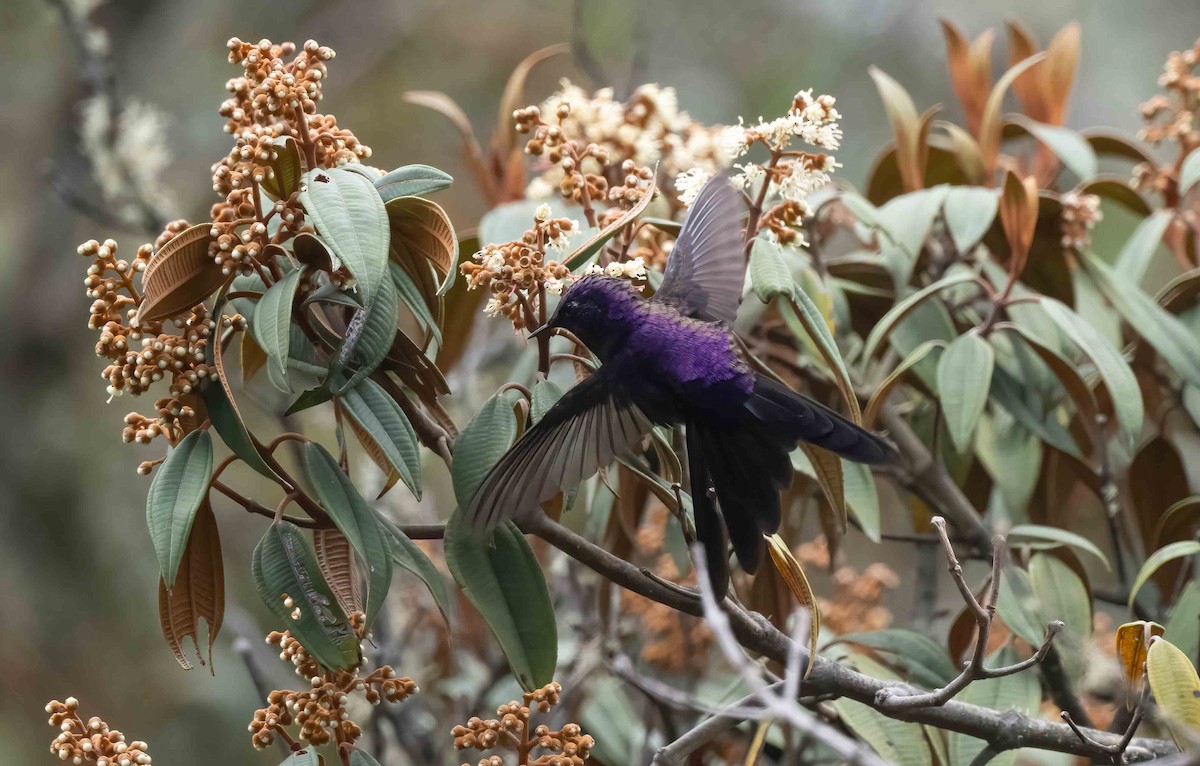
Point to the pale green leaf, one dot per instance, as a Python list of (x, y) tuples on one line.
[(969, 212), (179, 487), (349, 214), (964, 379)]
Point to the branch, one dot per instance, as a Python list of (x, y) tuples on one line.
[(1114, 751), (1005, 730), (900, 697)]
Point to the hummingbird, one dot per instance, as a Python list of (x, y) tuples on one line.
[(671, 360)]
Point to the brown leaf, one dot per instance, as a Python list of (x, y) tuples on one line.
[(1062, 58), (180, 275), (199, 590), (253, 357), (1133, 640), (421, 233), (1028, 87), (970, 70), (1019, 215), (1157, 480), (336, 561)]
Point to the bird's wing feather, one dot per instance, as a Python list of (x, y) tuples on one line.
[(589, 426), (707, 269)]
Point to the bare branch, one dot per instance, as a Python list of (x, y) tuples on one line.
[(900, 697)]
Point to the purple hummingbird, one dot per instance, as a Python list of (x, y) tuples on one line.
[(669, 360)]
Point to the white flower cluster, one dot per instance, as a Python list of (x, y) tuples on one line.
[(811, 120), (634, 268)]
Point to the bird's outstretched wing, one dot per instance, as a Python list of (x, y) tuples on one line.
[(589, 426), (707, 269)]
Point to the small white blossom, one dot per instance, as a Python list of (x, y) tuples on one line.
[(689, 183), (539, 188), (492, 308), (542, 213)]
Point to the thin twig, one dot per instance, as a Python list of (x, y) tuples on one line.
[(900, 697)]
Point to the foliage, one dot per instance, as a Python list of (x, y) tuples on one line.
[(1013, 300)]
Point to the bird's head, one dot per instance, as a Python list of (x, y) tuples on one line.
[(595, 310)]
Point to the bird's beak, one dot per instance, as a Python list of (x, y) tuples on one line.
[(539, 332)]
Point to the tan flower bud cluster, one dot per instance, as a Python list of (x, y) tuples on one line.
[(577, 184), (142, 354), (1080, 213), (517, 272), (275, 99), (568, 746), (630, 191), (91, 742), (320, 712), (857, 604), (1173, 116), (648, 128)]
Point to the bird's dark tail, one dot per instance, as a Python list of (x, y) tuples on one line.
[(742, 468)]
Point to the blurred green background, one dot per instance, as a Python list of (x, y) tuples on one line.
[(77, 578)]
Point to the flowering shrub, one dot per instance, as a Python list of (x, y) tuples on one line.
[(983, 300)]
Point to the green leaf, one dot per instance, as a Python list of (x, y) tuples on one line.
[(545, 394), (410, 294), (1064, 596), (357, 521), (906, 220), (1154, 561), (1140, 247), (1072, 149), (1169, 336), (284, 567), (925, 662), (362, 758), (1176, 689), (862, 498), (408, 556), (969, 212), (895, 741), (377, 413), (307, 757), (179, 487), (272, 322), (349, 215), (964, 378), (889, 321), (818, 329), (1039, 533), (1118, 378), (1012, 455), (770, 273), (369, 337), (1183, 627), (1019, 692), (1019, 608), (286, 167), (412, 181), (505, 584), (229, 426), (485, 439), (1189, 172)]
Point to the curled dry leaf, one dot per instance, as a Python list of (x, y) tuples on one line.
[(336, 562), (793, 575), (180, 275), (422, 235), (199, 590)]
